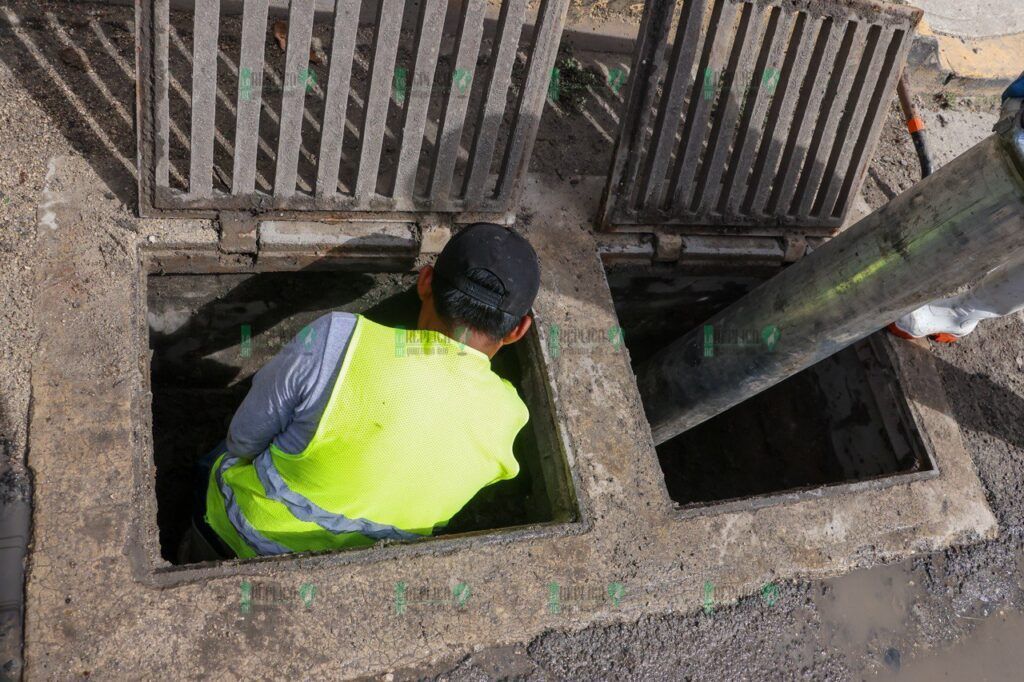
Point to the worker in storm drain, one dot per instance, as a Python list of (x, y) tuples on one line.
[(999, 293), (356, 432)]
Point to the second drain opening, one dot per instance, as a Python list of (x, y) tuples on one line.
[(841, 421)]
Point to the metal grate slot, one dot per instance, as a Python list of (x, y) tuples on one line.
[(485, 136), (764, 113), (777, 39), (724, 126), (868, 138), (343, 45), (804, 128), (254, 27), (702, 96), (428, 43), (375, 105), (293, 99)]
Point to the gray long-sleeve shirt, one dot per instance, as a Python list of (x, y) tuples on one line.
[(289, 393)]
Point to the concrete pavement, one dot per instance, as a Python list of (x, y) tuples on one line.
[(974, 18), (972, 46)]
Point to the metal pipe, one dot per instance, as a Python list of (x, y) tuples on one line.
[(947, 231), (915, 125)]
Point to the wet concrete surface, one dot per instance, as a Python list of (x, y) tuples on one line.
[(960, 617)]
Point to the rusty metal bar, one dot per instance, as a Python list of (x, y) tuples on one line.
[(428, 42), (293, 97), (339, 80), (485, 136), (204, 96), (250, 96)]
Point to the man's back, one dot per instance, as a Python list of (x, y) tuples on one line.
[(413, 426), (356, 432)]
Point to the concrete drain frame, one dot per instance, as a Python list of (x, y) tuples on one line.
[(910, 418), (94, 541), (907, 417), (546, 427), (858, 418), (915, 384)]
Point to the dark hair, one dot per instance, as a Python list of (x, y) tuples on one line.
[(457, 308)]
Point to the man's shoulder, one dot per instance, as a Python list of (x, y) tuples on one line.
[(337, 316), (516, 408), (326, 336), (330, 324)]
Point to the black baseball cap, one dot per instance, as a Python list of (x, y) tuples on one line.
[(501, 252)]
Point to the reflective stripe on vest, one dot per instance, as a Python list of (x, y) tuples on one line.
[(249, 535), (306, 510)]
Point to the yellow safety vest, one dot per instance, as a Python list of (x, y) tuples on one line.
[(416, 425)]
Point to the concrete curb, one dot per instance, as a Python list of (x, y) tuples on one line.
[(969, 66)]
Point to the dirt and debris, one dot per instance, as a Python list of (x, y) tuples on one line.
[(627, 11), (572, 81), (280, 30)]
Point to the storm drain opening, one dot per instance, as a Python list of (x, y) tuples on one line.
[(210, 333), (842, 421)]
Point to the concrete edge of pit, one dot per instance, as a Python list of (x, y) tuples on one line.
[(150, 568)]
